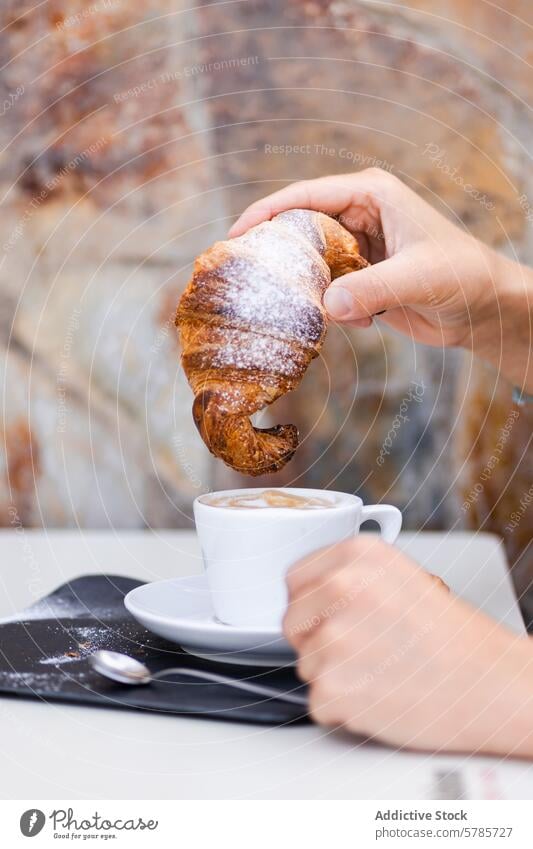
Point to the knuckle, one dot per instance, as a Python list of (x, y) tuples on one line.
[(297, 629), (375, 170), (294, 580), (438, 583), (369, 595), (319, 712), (363, 543), (379, 174), (302, 188), (297, 575), (384, 176), (323, 705), (340, 582), (304, 667), (330, 632), (291, 580), (355, 552), (289, 627)]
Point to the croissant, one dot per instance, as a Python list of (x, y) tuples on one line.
[(250, 321)]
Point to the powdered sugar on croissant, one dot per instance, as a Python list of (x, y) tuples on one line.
[(251, 320)]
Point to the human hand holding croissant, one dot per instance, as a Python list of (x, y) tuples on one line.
[(251, 320), (434, 281)]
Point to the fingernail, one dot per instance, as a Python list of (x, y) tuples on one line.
[(338, 302)]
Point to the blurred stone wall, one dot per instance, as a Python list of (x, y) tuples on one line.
[(132, 137)]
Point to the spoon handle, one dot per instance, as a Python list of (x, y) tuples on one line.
[(238, 684)]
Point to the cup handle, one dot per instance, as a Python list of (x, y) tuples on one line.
[(388, 518)]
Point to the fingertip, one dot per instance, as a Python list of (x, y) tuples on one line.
[(293, 577), (344, 307), (251, 217), (339, 303), (239, 227)]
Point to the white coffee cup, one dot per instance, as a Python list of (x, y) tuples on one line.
[(248, 550)]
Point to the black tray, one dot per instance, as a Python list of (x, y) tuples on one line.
[(44, 655)]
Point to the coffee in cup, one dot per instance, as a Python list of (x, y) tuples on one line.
[(268, 498)]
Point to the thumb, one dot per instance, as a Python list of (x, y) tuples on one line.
[(387, 285)]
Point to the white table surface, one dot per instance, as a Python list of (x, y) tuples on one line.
[(58, 751)]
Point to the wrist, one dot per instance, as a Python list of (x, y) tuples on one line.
[(503, 322), (506, 724)]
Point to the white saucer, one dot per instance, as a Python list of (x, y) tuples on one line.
[(180, 610)]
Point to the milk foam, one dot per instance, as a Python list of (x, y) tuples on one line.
[(270, 498)]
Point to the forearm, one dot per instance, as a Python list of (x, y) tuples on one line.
[(503, 332)]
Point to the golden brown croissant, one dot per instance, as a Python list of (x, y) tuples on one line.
[(250, 321)]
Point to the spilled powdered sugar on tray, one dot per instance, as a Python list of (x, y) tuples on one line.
[(58, 672), (88, 640), (37, 682), (46, 648)]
